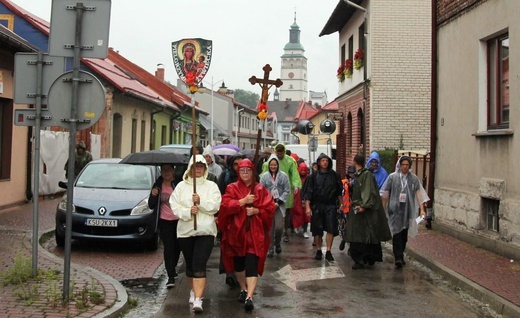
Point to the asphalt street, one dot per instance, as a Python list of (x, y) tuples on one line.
[(296, 285)]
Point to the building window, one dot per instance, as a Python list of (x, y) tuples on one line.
[(498, 82), (285, 137), (343, 56), (134, 136), (361, 37), (6, 137), (143, 134), (349, 133), (490, 213), (360, 124), (351, 48), (164, 132)]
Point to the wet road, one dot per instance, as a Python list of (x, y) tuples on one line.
[(296, 285), (293, 284)]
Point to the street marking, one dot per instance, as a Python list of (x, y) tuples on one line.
[(290, 277)]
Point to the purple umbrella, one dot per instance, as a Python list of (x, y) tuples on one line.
[(225, 150)]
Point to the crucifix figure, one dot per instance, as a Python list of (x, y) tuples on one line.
[(265, 83)]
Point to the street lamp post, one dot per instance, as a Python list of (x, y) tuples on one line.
[(239, 110), (212, 84)]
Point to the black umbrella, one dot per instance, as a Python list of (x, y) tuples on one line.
[(249, 153), (155, 158)]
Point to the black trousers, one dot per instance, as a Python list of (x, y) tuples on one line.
[(249, 263), (399, 244), (196, 251), (171, 248), (366, 253)]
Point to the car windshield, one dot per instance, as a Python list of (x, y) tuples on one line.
[(116, 176)]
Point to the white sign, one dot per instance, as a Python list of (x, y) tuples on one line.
[(290, 277)]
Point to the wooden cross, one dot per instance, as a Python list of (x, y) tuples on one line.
[(265, 83)]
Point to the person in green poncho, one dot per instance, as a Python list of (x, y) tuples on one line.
[(367, 224), (289, 166)]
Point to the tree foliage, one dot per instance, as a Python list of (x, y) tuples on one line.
[(246, 97)]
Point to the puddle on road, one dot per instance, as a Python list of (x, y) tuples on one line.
[(150, 294)]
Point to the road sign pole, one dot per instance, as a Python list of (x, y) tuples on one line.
[(72, 148), (36, 163)]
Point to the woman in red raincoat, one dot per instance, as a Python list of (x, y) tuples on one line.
[(246, 219), (299, 219)]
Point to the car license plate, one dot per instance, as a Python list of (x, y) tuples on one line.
[(101, 222)]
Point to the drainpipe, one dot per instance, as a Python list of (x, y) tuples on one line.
[(433, 114)]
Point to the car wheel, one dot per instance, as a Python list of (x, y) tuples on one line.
[(153, 244), (60, 240)]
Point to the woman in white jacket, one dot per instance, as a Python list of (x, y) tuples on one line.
[(196, 245)]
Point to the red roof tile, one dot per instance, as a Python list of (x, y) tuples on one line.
[(165, 90), (306, 111), (122, 81)]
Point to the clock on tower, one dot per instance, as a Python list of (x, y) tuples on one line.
[(291, 75)]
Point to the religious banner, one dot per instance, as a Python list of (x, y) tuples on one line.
[(191, 59)]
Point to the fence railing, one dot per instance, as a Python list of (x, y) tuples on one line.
[(420, 166)]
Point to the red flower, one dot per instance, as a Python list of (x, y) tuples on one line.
[(348, 65), (341, 68), (190, 78), (359, 54), (262, 109)]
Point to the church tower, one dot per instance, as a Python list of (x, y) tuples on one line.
[(294, 68)]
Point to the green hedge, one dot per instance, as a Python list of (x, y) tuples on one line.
[(387, 159)]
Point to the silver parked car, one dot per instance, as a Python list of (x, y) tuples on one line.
[(110, 202)]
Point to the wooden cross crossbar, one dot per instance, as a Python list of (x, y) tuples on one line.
[(265, 83)]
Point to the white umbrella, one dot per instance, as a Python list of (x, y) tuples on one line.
[(225, 152)]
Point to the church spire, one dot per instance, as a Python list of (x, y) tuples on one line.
[(294, 37)]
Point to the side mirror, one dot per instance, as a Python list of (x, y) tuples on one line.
[(62, 184)]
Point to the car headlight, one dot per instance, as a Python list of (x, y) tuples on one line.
[(141, 208), (63, 205)]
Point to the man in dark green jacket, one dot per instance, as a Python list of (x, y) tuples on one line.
[(367, 225)]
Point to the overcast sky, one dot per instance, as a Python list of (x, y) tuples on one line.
[(246, 35)]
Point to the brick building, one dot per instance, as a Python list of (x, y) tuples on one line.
[(385, 93)]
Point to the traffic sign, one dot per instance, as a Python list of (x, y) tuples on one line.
[(25, 75), (335, 115), (91, 100), (27, 117), (95, 24)]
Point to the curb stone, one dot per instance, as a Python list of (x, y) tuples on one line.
[(121, 302)]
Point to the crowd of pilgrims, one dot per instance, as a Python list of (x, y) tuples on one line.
[(249, 210)]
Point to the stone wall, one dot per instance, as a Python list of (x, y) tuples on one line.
[(461, 210)]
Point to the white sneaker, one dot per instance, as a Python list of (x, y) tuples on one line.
[(297, 230), (306, 235), (192, 296), (197, 305)]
